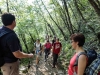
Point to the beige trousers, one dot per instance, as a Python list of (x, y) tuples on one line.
[(10, 68)]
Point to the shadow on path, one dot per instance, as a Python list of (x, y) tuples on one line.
[(45, 68)]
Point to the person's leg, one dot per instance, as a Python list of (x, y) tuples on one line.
[(10, 68), (37, 57), (45, 54), (37, 60), (48, 52), (54, 59)]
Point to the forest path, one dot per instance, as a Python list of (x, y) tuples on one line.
[(45, 68)]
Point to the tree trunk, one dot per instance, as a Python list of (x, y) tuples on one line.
[(75, 1), (95, 6), (53, 31), (7, 5), (0, 11), (68, 17)]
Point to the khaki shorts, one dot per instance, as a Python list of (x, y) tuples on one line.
[(10, 68)]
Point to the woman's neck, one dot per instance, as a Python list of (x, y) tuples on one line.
[(79, 49)]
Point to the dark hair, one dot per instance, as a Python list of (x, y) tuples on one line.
[(78, 37), (47, 40), (54, 37), (38, 39), (7, 18), (57, 39)]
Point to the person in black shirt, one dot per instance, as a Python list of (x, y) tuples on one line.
[(11, 46), (54, 40)]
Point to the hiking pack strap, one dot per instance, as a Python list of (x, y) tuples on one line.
[(3, 32), (74, 70), (40, 45), (81, 53), (2, 61)]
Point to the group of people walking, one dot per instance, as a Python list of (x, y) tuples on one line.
[(11, 50), (53, 48)]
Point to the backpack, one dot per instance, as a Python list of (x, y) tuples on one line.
[(2, 53), (92, 55), (94, 67), (40, 48), (40, 45)]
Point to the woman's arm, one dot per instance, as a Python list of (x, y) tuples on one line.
[(82, 61)]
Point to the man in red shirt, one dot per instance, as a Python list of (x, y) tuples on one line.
[(57, 46)]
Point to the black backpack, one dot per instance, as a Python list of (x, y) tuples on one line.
[(91, 54), (2, 53), (40, 47)]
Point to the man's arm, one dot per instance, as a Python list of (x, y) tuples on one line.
[(19, 54)]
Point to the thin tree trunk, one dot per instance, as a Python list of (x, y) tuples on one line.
[(74, 16), (54, 22), (53, 31), (23, 39), (30, 36), (51, 28), (76, 5), (65, 37), (0, 11), (69, 21), (63, 16), (7, 5), (95, 6), (98, 2)]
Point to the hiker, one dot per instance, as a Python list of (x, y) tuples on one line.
[(47, 51), (11, 46), (77, 42), (54, 40), (38, 50), (50, 39), (57, 46)]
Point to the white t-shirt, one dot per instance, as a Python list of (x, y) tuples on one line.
[(37, 45)]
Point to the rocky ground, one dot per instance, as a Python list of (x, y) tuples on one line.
[(45, 68)]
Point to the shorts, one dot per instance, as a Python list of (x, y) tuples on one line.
[(37, 53)]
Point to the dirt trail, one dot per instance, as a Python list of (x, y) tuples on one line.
[(45, 68)]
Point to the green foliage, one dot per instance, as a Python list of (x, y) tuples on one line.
[(32, 20)]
